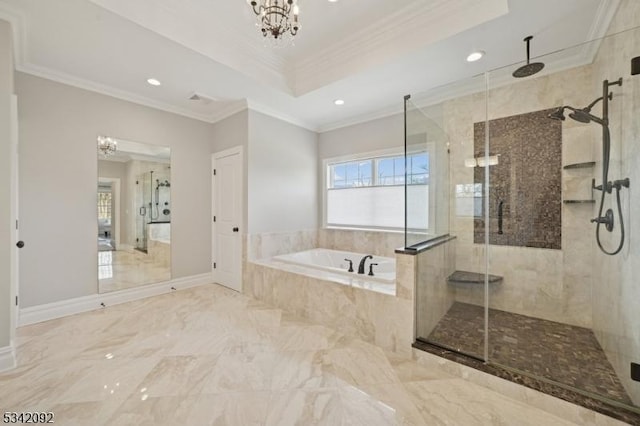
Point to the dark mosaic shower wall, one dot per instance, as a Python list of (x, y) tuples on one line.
[(527, 180)]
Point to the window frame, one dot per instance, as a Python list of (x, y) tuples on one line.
[(373, 156)]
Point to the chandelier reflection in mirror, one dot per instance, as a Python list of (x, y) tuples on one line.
[(277, 19), (106, 145)]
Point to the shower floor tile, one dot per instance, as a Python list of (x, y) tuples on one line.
[(564, 353)]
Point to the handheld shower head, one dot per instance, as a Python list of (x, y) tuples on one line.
[(581, 115)]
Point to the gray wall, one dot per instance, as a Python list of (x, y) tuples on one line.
[(282, 174), (384, 133), (6, 91), (58, 125), (229, 133)]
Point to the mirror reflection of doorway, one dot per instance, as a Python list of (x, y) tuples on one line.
[(106, 219)]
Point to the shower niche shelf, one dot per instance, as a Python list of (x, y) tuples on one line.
[(585, 165)]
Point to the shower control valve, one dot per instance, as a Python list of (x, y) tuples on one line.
[(606, 220)]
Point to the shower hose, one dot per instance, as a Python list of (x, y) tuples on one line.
[(611, 253)]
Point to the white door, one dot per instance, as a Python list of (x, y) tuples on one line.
[(17, 244), (227, 218)]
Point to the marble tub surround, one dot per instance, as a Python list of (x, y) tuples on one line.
[(375, 268), (380, 243), (159, 231), (352, 280), (266, 245), (372, 311), (208, 355)]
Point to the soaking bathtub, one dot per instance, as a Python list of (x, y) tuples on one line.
[(331, 265)]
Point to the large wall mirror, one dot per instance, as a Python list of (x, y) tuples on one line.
[(134, 214)]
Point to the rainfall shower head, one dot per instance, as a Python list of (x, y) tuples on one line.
[(529, 68)]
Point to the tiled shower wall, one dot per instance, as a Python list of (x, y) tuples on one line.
[(525, 197), (544, 283)]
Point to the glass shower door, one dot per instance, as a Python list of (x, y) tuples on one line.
[(451, 276), (144, 205)]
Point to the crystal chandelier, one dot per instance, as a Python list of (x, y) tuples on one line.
[(276, 18), (106, 145)]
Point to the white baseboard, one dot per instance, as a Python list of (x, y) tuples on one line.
[(7, 358), (49, 311)]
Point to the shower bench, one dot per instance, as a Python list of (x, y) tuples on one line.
[(466, 277)]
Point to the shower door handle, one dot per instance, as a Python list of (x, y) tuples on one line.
[(143, 211), (235, 229)]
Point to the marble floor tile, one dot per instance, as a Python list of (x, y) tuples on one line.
[(122, 269), (211, 356), (305, 407), (179, 375)]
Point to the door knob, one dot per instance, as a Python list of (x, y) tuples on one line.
[(20, 244), (235, 229)]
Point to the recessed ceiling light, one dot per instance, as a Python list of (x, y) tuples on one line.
[(339, 102), (475, 56), (153, 82), (332, 1)]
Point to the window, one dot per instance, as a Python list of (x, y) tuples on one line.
[(369, 193), (104, 206)]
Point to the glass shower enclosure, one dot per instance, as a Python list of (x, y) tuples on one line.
[(529, 281), (152, 197)]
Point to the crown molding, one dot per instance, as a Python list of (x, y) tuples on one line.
[(411, 27), (450, 91), (70, 80), (378, 114), (604, 16), (229, 110), (257, 107), (18, 28)]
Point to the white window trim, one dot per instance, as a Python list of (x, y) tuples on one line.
[(388, 152)]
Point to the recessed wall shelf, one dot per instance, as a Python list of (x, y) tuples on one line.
[(584, 165), (579, 201)]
